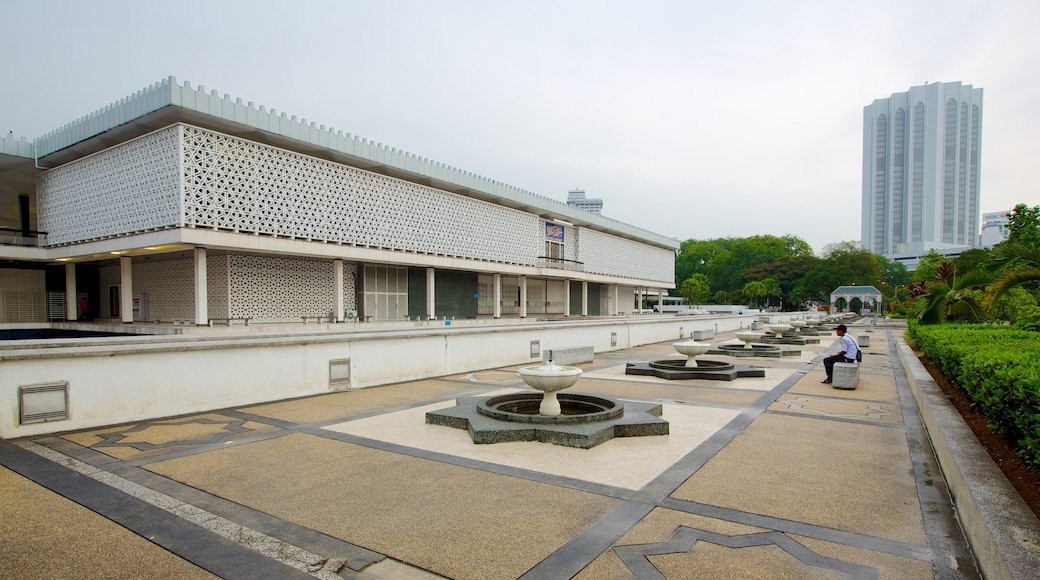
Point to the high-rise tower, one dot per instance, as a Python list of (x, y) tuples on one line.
[(921, 162)]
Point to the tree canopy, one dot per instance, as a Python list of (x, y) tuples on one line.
[(779, 270)]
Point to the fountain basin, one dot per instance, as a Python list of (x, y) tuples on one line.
[(575, 408), (584, 430), (676, 369)]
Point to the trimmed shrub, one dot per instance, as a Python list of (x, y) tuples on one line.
[(999, 369)]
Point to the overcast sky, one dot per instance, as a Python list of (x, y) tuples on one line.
[(689, 119)]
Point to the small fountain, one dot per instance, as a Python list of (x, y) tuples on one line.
[(549, 378), (798, 325), (752, 350), (570, 419), (690, 368), (782, 334)]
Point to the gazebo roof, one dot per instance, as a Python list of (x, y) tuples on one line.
[(857, 290)]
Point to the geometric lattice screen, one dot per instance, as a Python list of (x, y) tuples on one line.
[(239, 185), (185, 176)]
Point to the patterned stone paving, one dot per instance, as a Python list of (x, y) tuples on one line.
[(791, 479)]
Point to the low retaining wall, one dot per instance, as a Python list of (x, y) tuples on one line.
[(116, 380), (1002, 531)]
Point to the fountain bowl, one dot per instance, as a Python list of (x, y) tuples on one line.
[(549, 378), (780, 328), (691, 349), (748, 337)]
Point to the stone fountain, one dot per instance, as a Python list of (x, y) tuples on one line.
[(779, 328), (752, 350), (690, 367), (570, 419), (749, 336)]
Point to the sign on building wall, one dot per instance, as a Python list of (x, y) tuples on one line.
[(553, 232)]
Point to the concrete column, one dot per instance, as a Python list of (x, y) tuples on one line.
[(584, 298), (660, 299), (431, 311), (71, 304), (614, 310), (523, 296), (566, 297), (337, 274), (126, 290), (497, 293), (201, 289), (639, 298)]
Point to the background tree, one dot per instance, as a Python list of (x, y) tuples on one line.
[(790, 273), (727, 262), (1024, 225), (894, 273), (754, 291), (772, 290), (696, 289), (926, 266), (842, 264)]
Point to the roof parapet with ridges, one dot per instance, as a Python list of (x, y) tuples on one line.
[(20, 147), (169, 92)]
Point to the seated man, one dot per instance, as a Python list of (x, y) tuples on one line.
[(849, 350)]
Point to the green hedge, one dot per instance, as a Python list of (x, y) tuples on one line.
[(999, 368)]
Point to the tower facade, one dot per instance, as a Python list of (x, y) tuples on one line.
[(922, 152), (576, 198)]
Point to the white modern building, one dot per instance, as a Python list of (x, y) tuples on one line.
[(176, 204), (994, 228), (921, 170), (576, 198)]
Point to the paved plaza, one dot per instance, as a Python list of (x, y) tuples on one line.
[(766, 477)]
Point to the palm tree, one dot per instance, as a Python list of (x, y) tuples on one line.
[(949, 293), (1020, 264)]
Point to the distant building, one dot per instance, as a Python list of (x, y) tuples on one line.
[(576, 198), (994, 228), (921, 171)]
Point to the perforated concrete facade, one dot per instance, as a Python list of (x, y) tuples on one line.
[(277, 205), (263, 288)]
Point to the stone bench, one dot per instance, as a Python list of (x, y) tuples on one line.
[(569, 355), (230, 321), (845, 376), (703, 334), (863, 339)]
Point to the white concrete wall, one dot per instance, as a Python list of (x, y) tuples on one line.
[(132, 379)]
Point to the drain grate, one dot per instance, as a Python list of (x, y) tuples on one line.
[(43, 402)]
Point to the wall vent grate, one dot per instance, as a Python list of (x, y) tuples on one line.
[(43, 402), (339, 373)]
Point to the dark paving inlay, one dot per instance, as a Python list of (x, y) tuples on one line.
[(203, 548), (683, 540), (356, 557), (115, 438)]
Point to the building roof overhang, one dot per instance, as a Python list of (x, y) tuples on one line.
[(168, 102)]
